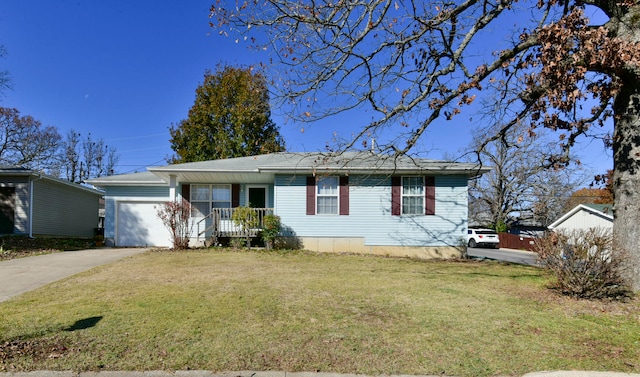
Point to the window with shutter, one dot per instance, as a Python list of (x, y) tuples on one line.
[(328, 195), (413, 195)]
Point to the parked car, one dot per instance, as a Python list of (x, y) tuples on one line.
[(483, 237)]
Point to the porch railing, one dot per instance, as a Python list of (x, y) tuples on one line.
[(219, 223)]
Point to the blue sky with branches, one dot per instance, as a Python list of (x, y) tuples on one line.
[(124, 71)]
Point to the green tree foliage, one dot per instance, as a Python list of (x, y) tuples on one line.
[(270, 229), (246, 219), (230, 118)]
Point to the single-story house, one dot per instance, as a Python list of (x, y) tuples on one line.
[(359, 202), (585, 217), (36, 204)]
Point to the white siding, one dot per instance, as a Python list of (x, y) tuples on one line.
[(583, 220), (370, 213)]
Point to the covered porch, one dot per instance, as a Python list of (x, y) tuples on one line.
[(219, 224)]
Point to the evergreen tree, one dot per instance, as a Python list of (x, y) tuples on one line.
[(231, 117)]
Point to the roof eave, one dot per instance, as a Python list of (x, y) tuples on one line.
[(34, 175), (379, 171), (127, 183)]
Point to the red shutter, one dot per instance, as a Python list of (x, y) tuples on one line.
[(235, 195), (186, 192), (344, 195), (396, 196), (311, 195), (429, 195)]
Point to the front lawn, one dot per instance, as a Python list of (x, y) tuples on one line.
[(225, 311)]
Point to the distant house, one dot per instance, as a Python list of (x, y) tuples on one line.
[(355, 202), (584, 217), (35, 204), (527, 228)]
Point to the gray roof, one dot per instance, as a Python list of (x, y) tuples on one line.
[(262, 168), (16, 170), (145, 178), (8, 170), (607, 209)]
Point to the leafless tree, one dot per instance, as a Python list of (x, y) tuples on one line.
[(25, 142), (70, 159), (520, 187), (550, 194), (415, 62), (81, 159), (5, 79), (96, 158)]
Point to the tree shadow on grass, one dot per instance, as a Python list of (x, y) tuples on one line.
[(83, 324), (43, 345)]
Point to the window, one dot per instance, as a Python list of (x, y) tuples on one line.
[(200, 200), (221, 196), (327, 196), (205, 197), (334, 192), (412, 195)]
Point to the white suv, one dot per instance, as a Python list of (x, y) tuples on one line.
[(483, 237)]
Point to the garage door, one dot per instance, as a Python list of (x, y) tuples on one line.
[(139, 225)]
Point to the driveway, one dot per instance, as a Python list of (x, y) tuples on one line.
[(25, 274), (506, 255)]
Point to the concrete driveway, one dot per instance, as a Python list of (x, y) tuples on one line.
[(25, 274), (506, 255)]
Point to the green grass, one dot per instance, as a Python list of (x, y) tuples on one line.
[(305, 312)]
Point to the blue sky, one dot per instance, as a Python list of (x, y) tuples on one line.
[(125, 70)]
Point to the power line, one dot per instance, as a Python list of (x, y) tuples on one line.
[(136, 137), (140, 166)]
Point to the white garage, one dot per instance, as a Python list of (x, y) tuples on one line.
[(137, 224)]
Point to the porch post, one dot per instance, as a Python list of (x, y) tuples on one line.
[(173, 182)]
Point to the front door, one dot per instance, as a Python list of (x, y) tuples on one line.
[(257, 197)]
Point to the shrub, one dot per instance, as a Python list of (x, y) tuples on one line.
[(585, 264), (270, 230), (247, 219), (500, 227), (176, 217), (237, 243)]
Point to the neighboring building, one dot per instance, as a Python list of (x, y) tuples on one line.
[(584, 217), (358, 202), (527, 228), (35, 204)]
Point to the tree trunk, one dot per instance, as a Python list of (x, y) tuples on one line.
[(626, 177)]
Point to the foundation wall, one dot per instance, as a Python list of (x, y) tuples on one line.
[(356, 245)]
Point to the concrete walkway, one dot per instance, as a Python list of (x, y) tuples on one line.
[(21, 275)]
